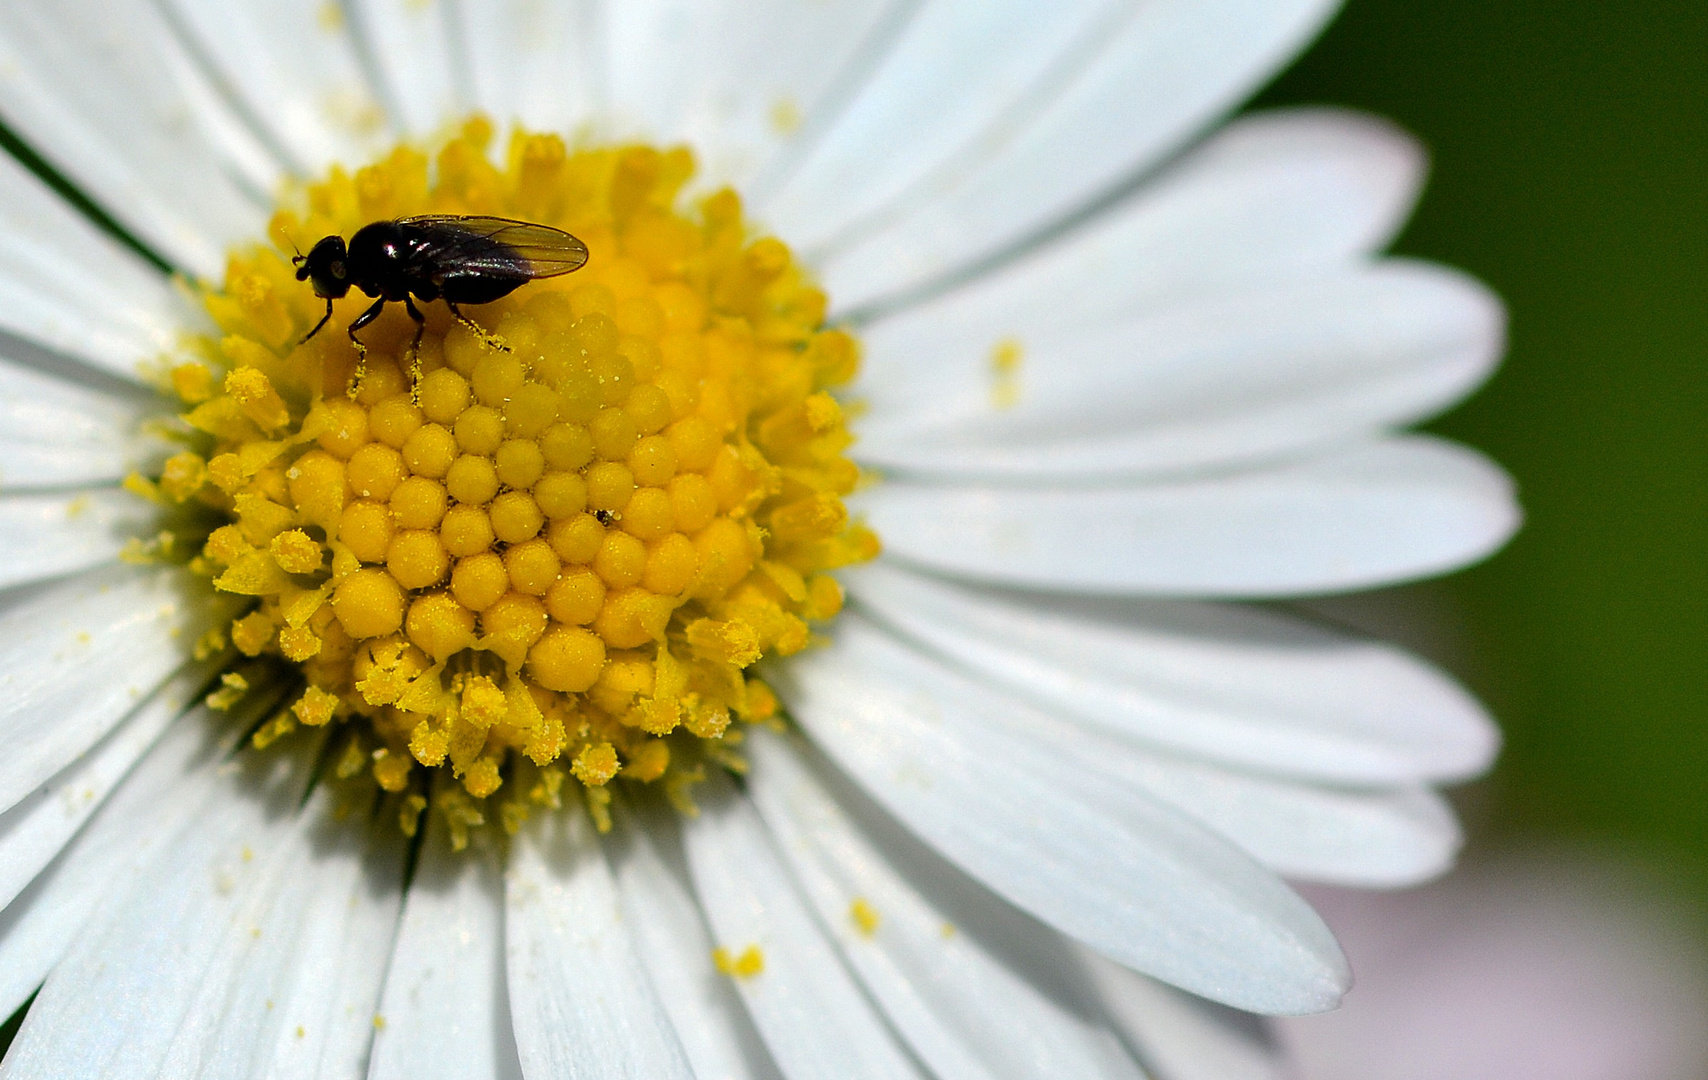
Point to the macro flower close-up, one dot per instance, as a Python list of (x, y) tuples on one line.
[(686, 539)]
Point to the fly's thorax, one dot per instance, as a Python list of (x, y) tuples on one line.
[(544, 549)]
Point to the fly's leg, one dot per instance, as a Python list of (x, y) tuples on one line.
[(491, 341), (317, 326), (366, 317), (415, 350)]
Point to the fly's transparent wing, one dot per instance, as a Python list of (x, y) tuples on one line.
[(494, 246)]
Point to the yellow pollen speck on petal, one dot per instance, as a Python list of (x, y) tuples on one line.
[(1005, 358), (379, 1022), (542, 541), (745, 965), (785, 117), (864, 916)]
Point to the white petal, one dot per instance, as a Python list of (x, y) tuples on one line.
[(109, 96), (293, 991), (36, 407), (815, 1020), (66, 285), (166, 791), (1214, 382), (57, 433), (533, 63), (714, 1028), (955, 71), (133, 628), (581, 1003), (1239, 685), (930, 962), (1182, 1037), (31, 465), (649, 57), (34, 831), (323, 1023), (1382, 838), (722, 76), (187, 966), (419, 58), (295, 71), (1372, 514), (1099, 861), (445, 1011), (50, 534), (1270, 196), (1150, 85), (1358, 836)]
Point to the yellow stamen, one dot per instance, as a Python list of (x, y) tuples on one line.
[(232, 688), (550, 540)]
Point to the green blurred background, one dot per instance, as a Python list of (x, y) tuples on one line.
[(1570, 145)]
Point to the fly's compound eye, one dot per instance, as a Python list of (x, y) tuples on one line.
[(336, 268)]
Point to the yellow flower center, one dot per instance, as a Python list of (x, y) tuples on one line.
[(551, 543)]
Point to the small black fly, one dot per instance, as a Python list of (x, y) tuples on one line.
[(457, 259)]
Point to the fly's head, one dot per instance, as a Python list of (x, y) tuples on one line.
[(326, 267)]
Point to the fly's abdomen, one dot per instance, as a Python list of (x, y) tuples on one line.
[(490, 284)]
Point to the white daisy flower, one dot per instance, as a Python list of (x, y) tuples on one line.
[(1118, 370)]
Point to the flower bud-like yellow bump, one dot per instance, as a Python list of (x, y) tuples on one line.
[(547, 549)]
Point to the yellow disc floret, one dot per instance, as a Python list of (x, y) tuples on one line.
[(547, 545)]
